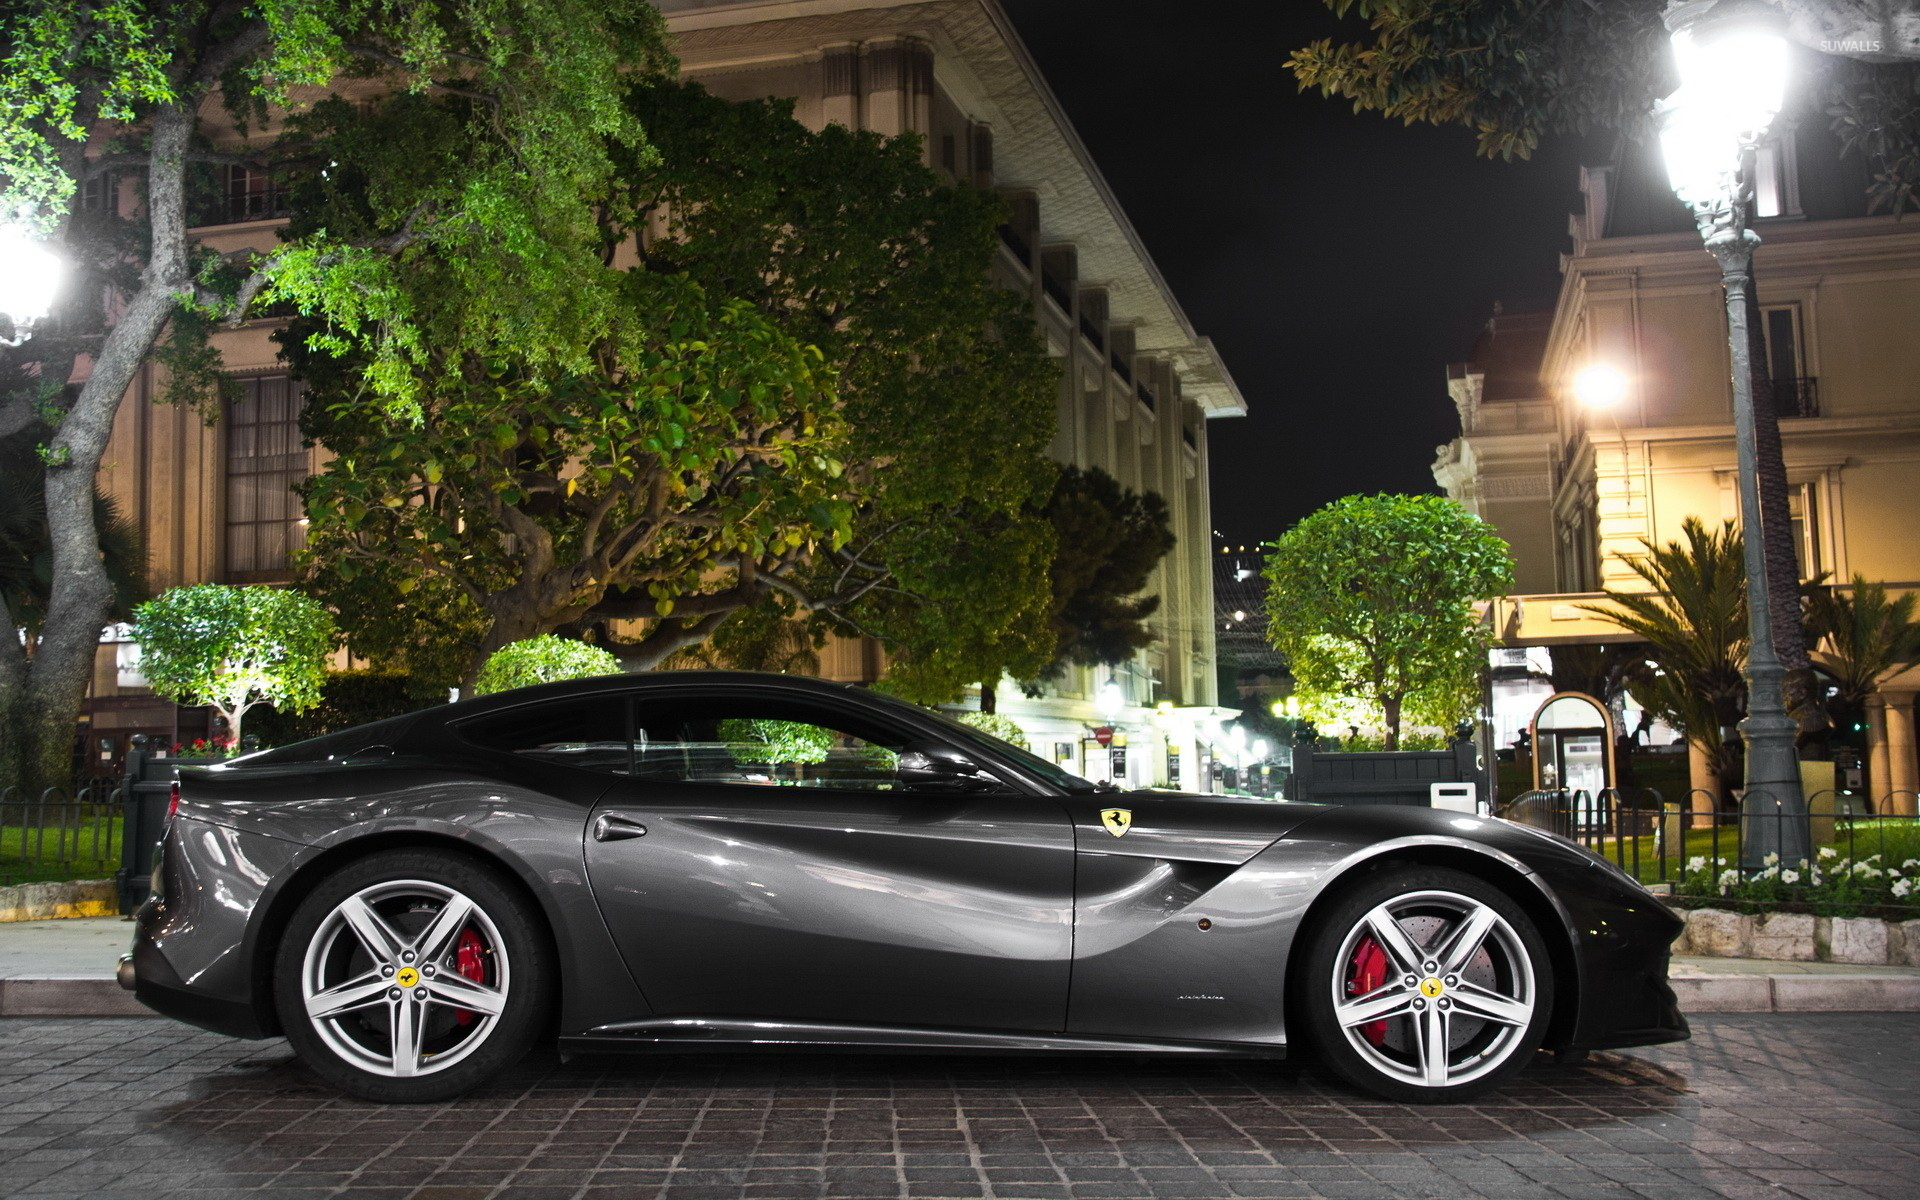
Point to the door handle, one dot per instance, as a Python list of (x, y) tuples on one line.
[(609, 828)]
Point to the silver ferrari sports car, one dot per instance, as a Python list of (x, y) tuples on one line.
[(695, 860)]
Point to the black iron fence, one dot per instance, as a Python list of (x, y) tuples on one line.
[(1860, 853), (57, 834)]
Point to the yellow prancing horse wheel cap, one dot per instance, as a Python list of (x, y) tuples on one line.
[(407, 977), (1431, 988)]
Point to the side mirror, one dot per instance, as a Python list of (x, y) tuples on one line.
[(934, 767)]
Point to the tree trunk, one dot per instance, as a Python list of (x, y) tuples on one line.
[(1390, 708), (1703, 784), (80, 594), (13, 694), (1776, 532), (989, 702)]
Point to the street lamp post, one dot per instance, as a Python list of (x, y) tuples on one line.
[(29, 277), (1732, 56)]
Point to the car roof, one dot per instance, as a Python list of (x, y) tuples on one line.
[(649, 681)]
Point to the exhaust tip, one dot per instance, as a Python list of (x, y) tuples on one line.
[(123, 974)]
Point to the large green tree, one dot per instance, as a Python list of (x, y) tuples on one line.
[(812, 390), (1371, 599), (98, 92)]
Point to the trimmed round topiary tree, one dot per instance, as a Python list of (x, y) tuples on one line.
[(234, 647), (543, 659), (998, 726)]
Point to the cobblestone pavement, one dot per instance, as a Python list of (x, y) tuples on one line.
[(1755, 1106)]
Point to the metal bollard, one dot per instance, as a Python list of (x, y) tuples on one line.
[(145, 789)]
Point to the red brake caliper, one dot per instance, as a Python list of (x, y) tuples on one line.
[(1366, 972), (470, 960)]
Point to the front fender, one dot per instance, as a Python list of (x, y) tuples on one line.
[(1146, 967)]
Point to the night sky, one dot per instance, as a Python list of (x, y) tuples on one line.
[(1338, 260)]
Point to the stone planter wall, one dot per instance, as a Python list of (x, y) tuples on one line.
[(41, 901), (1800, 937)]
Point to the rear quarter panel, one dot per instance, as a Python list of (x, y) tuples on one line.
[(532, 824)]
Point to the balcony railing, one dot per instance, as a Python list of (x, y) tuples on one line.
[(1798, 397), (1146, 397)]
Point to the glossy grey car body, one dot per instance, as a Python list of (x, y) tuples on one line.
[(1004, 914)]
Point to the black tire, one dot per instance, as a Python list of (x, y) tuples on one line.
[(1369, 1016), (409, 1025)]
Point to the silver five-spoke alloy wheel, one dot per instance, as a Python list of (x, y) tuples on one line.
[(405, 978), (1452, 993), (413, 975), (1426, 983)]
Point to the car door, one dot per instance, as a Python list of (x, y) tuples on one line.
[(766, 861)]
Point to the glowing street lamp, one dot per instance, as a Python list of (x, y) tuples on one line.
[(30, 277), (1600, 386), (1733, 61), (1109, 700)]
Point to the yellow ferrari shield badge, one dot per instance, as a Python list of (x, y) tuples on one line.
[(1117, 820)]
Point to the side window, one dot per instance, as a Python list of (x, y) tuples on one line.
[(590, 734), (754, 744)]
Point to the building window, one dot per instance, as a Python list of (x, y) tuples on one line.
[(98, 192), (1794, 393), (254, 195), (240, 194), (265, 460), (1776, 183)]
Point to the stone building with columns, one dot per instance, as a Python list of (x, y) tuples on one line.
[(1580, 490), (1139, 385)]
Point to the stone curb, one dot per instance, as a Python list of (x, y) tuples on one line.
[(47, 901), (1797, 993)]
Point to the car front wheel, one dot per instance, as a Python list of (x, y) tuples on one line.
[(412, 976), (1425, 984)]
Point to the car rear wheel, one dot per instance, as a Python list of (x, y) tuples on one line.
[(1425, 984), (412, 976)]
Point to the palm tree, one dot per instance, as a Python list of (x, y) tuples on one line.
[(1867, 635), (1695, 625)]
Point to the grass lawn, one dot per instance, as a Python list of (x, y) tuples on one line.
[(1894, 839), (90, 851)]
